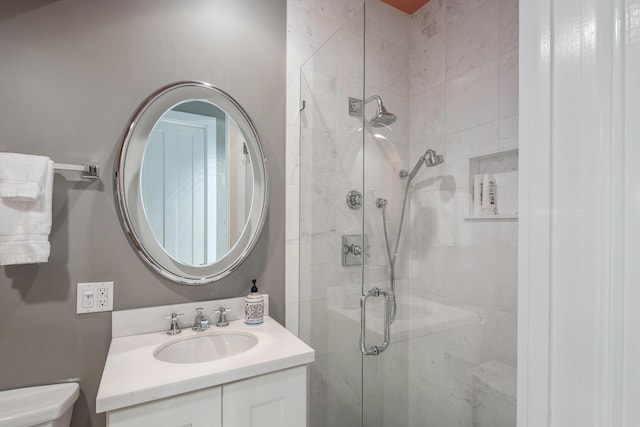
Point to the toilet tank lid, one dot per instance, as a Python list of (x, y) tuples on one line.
[(35, 405)]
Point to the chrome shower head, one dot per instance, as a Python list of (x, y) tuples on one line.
[(383, 119), (429, 158), (380, 119)]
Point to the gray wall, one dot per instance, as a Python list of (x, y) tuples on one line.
[(71, 75)]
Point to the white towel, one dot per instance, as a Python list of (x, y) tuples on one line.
[(25, 223), (22, 176)]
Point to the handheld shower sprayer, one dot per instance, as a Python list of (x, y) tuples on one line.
[(430, 158)]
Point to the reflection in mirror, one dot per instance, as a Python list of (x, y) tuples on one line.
[(196, 182)]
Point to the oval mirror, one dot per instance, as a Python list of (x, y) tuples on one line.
[(192, 184)]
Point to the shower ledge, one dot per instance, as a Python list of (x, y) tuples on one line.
[(427, 317)]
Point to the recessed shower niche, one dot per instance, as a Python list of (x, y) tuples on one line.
[(502, 167)]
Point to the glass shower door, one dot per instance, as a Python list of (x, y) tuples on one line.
[(385, 392)]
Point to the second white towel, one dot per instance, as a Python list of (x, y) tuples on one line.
[(25, 224)]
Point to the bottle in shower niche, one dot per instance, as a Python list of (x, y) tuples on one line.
[(477, 194), (488, 196), (254, 306)]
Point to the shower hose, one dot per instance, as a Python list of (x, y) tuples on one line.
[(392, 256)]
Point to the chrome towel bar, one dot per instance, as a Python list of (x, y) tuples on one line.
[(89, 171)]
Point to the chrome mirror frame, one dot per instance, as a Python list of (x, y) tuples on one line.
[(128, 164)]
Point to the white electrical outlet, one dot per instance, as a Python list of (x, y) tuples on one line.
[(94, 297)]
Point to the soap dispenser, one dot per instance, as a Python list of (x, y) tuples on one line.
[(254, 306)]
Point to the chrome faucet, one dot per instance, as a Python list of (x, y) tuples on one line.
[(201, 323), (222, 321), (174, 329)]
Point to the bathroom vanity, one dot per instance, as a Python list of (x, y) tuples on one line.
[(237, 375), (226, 373)]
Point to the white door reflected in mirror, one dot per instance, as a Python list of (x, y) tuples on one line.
[(196, 182)]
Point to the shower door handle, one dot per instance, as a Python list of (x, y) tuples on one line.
[(374, 350)]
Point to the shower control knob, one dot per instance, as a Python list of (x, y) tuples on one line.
[(355, 250), (354, 199)]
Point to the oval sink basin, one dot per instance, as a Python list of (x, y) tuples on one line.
[(205, 347)]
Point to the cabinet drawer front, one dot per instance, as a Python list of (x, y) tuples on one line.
[(202, 408)]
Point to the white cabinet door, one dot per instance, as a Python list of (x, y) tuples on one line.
[(200, 408), (273, 400)]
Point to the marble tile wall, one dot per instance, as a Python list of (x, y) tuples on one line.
[(464, 98), (464, 103), (450, 74)]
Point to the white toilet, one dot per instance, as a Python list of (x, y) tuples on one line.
[(41, 406)]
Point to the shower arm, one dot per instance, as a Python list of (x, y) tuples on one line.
[(355, 104), (374, 97)]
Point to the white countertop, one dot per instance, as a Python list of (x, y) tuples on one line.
[(132, 375)]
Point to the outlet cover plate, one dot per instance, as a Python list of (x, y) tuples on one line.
[(94, 297)]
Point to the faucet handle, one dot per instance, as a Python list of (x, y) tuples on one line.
[(173, 316), (222, 321), (199, 311), (174, 328)]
